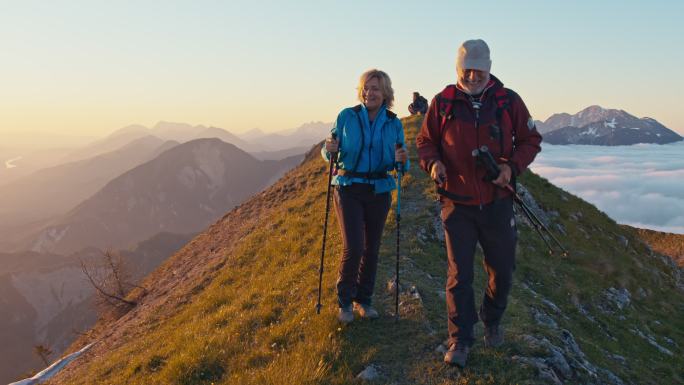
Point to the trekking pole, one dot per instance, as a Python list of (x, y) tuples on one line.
[(522, 204), (486, 158), (526, 211), (333, 160), (400, 170)]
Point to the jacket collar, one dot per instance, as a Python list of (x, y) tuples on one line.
[(380, 117)]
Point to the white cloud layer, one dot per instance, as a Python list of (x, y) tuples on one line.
[(641, 185)]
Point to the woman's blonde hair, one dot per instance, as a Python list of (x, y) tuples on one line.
[(385, 85)]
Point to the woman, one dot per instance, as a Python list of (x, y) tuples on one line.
[(365, 140)]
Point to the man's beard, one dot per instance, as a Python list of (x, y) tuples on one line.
[(472, 89)]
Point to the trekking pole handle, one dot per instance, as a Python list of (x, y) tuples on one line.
[(333, 155), (399, 165)]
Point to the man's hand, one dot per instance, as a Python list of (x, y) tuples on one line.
[(400, 155), (504, 175), (438, 173), (331, 145)]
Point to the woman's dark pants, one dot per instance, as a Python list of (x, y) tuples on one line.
[(493, 226), (361, 214)]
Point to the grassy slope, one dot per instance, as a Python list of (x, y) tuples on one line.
[(254, 321)]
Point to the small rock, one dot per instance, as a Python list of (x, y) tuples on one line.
[(551, 305), (583, 231), (560, 228), (651, 340), (616, 357), (369, 374), (642, 293), (620, 297), (527, 287), (441, 349), (623, 241), (571, 344), (564, 198), (544, 372), (544, 319), (559, 363), (615, 380)]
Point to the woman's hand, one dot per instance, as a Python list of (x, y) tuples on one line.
[(400, 155), (331, 145)]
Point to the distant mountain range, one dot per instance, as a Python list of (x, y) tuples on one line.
[(181, 191), (179, 132), (55, 190), (608, 127), (303, 137)]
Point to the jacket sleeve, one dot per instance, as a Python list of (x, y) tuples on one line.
[(428, 141), (339, 122), (527, 141)]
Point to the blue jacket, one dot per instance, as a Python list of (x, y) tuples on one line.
[(349, 129)]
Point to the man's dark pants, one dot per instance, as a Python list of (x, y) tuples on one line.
[(493, 226), (361, 214)]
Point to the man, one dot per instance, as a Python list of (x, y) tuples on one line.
[(476, 112), (419, 105)]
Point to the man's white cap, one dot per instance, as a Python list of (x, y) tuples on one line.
[(474, 55)]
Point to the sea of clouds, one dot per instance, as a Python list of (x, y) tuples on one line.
[(640, 185)]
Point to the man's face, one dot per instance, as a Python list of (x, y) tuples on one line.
[(473, 81)]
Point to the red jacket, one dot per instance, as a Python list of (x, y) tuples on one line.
[(462, 134)]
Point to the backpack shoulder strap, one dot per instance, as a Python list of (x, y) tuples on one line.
[(357, 108), (445, 104), (390, 115), (503, 103)]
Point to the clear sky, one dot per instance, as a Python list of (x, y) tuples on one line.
[(90, 67)]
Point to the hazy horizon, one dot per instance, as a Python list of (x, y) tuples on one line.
[(86, 69)]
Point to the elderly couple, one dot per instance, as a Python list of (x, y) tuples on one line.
[(477, 111)]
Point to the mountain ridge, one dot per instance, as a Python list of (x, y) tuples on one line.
[(235, 305), (596, 125), (180, 191)]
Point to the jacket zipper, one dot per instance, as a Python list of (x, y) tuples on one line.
[(476, 106), (477, 141)]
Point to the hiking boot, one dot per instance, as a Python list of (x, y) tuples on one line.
[(345, 315), (493, 336), (457, 355), (366, 311)]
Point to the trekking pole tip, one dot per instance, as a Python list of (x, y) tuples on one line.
[(318, 308)]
